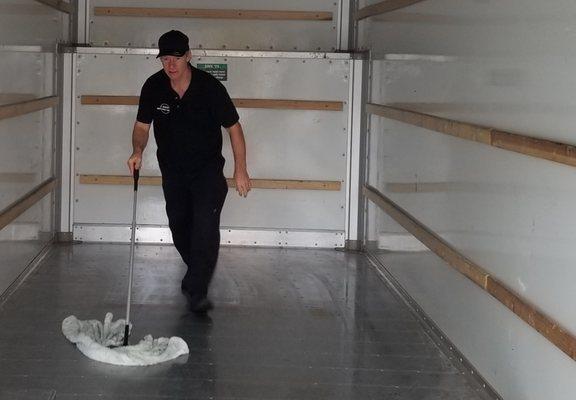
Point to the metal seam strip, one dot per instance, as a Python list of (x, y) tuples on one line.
[(431, 329), (216, 53)]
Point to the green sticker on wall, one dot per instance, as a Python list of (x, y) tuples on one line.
[(219, 71)]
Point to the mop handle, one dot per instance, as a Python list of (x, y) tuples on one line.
[(132, 245), (136, 177)]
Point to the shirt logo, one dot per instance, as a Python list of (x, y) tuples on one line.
[(164, 108)]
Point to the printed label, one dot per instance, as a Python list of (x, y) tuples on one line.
[(218, 71)]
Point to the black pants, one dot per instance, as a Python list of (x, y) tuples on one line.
[(193, 206)]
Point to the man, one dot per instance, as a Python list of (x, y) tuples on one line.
[(188, 107)]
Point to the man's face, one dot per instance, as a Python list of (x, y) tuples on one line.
[(175, 67)]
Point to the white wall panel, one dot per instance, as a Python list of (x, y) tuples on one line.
[(28, 22), (298, 209), (282, 144), (220, 33), (509, 355), (505, 211), (508, 65), (25, 141), (25, 154), (23, 239), (533, 95), (29, 32), (25, 74), (487, 28)]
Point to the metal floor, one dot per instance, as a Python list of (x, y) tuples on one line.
[(288, 324)]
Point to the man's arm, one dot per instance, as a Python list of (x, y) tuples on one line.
[(139, 142), (239, 149)]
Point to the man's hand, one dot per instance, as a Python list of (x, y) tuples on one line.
[(139, 141), (242, 181), (134, 162), (241, 177)]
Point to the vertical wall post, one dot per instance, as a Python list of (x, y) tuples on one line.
[(81, 22), (353, 28), (368, 230), (356, 155), (345, 25), (65, 167)]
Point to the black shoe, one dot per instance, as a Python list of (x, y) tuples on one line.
[(198, 305), (202, 307)]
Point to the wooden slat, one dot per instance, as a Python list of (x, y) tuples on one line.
[(17, 208), (453, 128), (59, 5), (256, 183), (289, 104), (291, 184), (420, 187), (25, 107), (546, 326), (472, 271), (17, 177), (9, 98), (540, 148), (383, 7), (213, 13), (119, 180), (401, 187), (240, 103), (109, 100)]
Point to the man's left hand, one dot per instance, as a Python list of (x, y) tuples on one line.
[(242, 181)]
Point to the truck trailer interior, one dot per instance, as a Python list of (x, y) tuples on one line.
[(408, 232)]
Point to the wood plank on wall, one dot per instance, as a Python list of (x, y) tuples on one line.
[(529, 313), (420, 187), (462, 130), (472, 271), (540, 148), (17, 177), (106, 100), (63, 6), (277, 104), (548, 328), (383, 7), (213, 13), (290, 104), (20, 206), (26, 107), (9, 98), (523, 144), (285, 184)]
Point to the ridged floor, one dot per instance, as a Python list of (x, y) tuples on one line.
[(288, 324)]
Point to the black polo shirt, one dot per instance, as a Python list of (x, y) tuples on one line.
[(188, 129)]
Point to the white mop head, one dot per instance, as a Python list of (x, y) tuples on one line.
[(94, 338)]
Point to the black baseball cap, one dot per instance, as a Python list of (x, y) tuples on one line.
[(173, 43)]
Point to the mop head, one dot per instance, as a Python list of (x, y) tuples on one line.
[(103, 342)]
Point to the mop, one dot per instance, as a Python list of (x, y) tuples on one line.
[(108, 342)]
